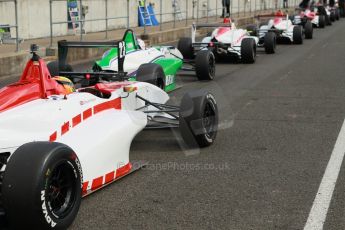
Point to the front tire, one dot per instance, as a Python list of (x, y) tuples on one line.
[(42, 186), (298, 35), (198, 119), (308, 30), (205, 65), (248, 50)]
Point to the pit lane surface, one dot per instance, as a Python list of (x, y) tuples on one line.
[(280, 119)]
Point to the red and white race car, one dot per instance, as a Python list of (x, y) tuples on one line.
[(306, 16), (58, 144), (224, 41), (280, 24)]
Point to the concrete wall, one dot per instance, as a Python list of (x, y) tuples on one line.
[(34, 15)]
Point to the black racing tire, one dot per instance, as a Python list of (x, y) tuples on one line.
[(53, 68), (198, 119), (332, 16), (322, 21), (252, 30), (270, 42), (185, 46), (337, 14), (292, 18), (35, 173), (151, 73), (322, 11), (308, 30), (205, 65), (328, 20), (298, 35), (248, 50)]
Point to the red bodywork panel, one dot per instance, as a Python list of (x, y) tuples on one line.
[(35, 83), (310, 15), (108, 88), (277, 20)]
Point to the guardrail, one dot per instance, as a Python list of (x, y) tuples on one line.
[(15, 25)]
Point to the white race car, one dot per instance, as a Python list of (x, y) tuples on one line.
[(308, 17), (333, 12), (225, 40), (280, 24), (58, 145)]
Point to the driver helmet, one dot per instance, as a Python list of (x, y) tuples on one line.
[(141, 44), (227, 21), (67, 84), (279, 13)]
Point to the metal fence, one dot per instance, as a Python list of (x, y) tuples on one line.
[(81, 22), (15, 25), (174, 12)]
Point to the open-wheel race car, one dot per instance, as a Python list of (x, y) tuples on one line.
[(318, 14), (225, 40), (308, 17), (59, 144), (333, 11), (280, 24), (162, 61)]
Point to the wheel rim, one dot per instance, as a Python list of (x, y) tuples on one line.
[(209, 120), (61, 190)]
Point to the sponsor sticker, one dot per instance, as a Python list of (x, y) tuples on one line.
[(170, 79), (45, 211)]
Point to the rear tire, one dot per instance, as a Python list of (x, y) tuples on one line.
[(38, 176), (332, 17), (198, 119), (248, 50), (337, 14), (308, 30), (298, 35), (322, 21), (185, 47), (270, 42), (252, 30), (328, 20), (53, 68), (205, 65), (151, 73)]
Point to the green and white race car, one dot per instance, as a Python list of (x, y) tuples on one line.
[(158, 65)]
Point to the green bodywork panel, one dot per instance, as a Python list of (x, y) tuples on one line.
[(105, 61), (170, 65)]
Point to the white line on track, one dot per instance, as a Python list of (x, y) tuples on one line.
[(318, 212)]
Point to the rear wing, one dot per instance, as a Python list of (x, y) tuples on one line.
[(259, 16), (195, 27), (64, 45)]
